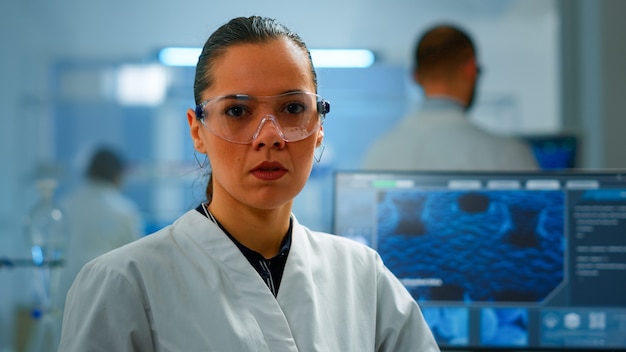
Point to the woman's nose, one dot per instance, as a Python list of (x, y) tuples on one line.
[(269, 133)]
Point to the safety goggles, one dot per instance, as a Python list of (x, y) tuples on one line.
[(239, 118)]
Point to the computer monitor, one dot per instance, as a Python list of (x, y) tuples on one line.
[(555, 151), (499, 261)]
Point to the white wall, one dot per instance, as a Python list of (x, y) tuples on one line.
[(594, 79)]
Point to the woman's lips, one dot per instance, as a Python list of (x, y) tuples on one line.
[(269, 171)]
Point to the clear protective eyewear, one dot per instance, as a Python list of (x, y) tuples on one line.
[(239, 118)]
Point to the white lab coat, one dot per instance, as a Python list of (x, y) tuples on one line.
[(100, 219), (443, 138), (189, 288)]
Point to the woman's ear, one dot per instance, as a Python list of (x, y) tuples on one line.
[(320, 137), (194, 131)]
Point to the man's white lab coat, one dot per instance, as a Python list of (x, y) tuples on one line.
[(441, 137), (100, 219)]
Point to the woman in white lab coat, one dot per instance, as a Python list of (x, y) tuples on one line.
[(239, 273)]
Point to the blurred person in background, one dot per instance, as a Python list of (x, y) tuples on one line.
[(100, 217), (440, 136)]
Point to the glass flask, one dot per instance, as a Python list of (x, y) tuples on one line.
[(47, 235)]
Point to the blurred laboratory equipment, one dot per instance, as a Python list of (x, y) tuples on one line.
[(46, 232)]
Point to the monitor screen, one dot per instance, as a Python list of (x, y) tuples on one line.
[(554, 152), (510, 261)]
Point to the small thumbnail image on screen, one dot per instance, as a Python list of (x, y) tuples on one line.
[(504, 327), (449, 325), (489, 246)]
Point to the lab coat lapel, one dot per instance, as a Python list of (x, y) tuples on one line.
[(252, 292), (298, 293)]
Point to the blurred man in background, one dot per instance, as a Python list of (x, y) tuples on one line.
[(441, 136)]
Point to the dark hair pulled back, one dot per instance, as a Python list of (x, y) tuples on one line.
[(240, 30)]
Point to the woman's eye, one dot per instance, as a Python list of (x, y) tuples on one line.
[(235, 111), (295, 108)]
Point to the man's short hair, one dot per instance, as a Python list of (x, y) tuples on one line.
[(441, 49), (106, 165)]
